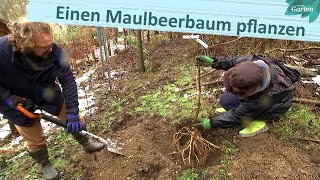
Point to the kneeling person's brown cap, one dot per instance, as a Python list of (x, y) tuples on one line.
[(244, 79)]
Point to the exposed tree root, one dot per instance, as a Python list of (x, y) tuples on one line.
[(192, 146), (189, 142)]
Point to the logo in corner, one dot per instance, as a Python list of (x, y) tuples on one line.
[(307, 8)]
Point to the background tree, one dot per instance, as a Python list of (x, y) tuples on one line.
[(141, 65), (10, 10)]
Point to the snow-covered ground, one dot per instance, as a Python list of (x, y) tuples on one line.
[(5, 131), (317, 79)]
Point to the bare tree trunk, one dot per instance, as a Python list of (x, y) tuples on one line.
[(148, 36), (171, 35), (115, 37), (125, 32), (142, 36), (140, 50), (107, 30), (102, 69)]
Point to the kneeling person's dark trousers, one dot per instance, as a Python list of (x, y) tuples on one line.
[(260, 108)]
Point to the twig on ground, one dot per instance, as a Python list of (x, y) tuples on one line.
[(306, 101), (311, 62), (306, 139), (291, 50)]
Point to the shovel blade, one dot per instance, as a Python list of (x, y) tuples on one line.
[(111, 145)]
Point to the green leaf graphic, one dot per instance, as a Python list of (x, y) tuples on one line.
[(316, 5), (305, 14), (314, 15), (290, 1), (306, 2)]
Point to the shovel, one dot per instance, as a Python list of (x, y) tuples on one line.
[(111, 145)]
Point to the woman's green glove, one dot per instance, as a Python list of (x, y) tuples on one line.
[(205, 61), (205, 123)]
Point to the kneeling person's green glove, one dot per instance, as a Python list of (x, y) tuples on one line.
[(205, 123), (205, 61)]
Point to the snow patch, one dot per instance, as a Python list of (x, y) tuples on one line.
[(317, 79)]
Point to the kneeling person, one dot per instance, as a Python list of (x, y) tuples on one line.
[(258, 89)]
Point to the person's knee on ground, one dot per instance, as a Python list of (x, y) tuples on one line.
[(229, 101)]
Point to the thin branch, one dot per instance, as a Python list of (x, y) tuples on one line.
[(307, 139), (195, 119), (312, 62), (228, 42), (203, 75), (212, 71), (292, 50), (218, 82)]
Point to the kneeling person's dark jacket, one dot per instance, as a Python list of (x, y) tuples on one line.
[(268, 104)]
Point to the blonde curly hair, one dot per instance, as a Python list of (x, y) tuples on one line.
[(23, 33)]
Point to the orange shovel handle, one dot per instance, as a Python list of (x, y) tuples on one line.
[(28, 113)]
